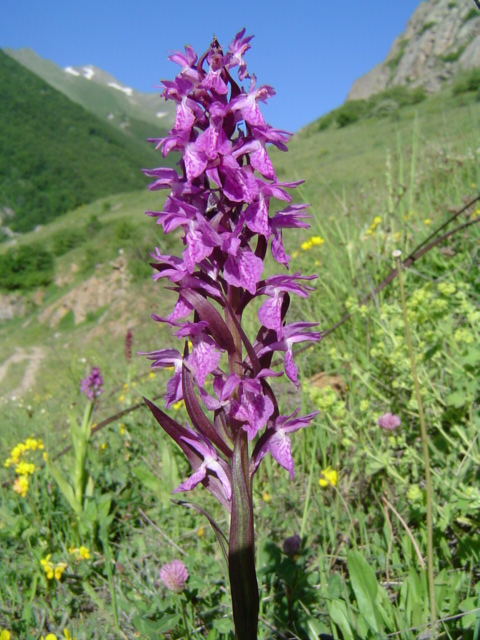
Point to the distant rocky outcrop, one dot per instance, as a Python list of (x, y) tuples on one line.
[(441, 38), (95, 293)]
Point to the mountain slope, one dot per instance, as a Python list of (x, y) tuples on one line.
[(441, 38), (55, 155), (103, 95)]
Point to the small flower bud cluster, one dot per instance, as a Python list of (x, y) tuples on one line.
[(92, 385)]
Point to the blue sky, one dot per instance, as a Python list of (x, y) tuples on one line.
[(310, 51)]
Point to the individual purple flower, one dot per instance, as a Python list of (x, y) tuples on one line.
[(211, 463), (169, 358), (276, 440), (237, 48), (174, 575), (276, 287), (290, 334), (389, 422), (92, 385)]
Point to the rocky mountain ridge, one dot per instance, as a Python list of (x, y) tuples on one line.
[(441, 39)]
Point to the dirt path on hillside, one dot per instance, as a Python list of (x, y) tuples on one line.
[(33, 360)]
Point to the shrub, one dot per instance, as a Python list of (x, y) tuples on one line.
[(467, 82), (66, 240), (350, 112), (26, 267), (126, 231)]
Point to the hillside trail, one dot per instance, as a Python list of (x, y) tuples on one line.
[(34, 358)]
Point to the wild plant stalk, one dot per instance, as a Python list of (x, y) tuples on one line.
[(220, 199), (423, 429), (75, 490)]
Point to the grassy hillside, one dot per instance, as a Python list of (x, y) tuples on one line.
[(105, 102), (54, 155)]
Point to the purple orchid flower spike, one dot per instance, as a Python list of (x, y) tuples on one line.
[(220, 202)]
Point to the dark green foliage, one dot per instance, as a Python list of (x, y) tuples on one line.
[(453, 56), (54, 155), (350, 112), (93, 225), (426, 27), (473, 13), (66, 240), (395, 61), (380, 104), (326, 121), (125, 231), (467, 82), (26, 267)]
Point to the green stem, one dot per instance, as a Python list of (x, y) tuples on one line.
[(185, 622), (426, 456)]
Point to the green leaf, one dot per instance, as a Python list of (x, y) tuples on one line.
[(147, 478), (223, 625), (64, 487), (456, 399), (338, 612), (154, 629), (364, 584), (472, 614)]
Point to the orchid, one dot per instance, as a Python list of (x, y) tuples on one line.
[(220, 199)]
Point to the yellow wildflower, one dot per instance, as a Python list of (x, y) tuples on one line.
[(266, 496), (151, 375), (31, 443), (5, 634), (20, 485), (427, 221), (177, 405), (84, 553), (329, 477), (200, 532), (48, 566), (49, 636), (317, 241), (67, 635), (306, 245), (59, 569), (122, 429), (295, 254), (24, 468)]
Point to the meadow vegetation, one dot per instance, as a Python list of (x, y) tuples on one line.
[(341, 549), (55, 155)]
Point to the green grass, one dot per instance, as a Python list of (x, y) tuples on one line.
[(375, 186)]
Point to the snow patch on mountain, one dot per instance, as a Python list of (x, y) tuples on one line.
[(88, 72), (72, 71), (127, 90)]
